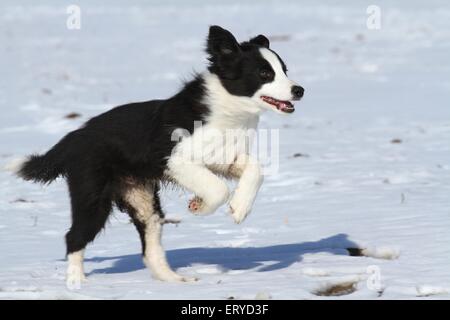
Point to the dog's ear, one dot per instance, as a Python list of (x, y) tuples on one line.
[(221, 42), (260, 41)]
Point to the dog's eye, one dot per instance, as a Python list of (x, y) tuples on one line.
[(266, 74)]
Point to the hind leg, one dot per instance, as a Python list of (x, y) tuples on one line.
[(142, 203), (91, 205)]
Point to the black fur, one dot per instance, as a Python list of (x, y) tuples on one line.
[(237, 64), (260, 40), (133, 142)]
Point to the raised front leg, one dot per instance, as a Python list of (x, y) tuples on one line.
[(210, 191), (251, 178)]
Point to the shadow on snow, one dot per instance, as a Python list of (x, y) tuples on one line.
[(267, 258)]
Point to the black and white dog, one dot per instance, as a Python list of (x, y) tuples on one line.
[(122, 156)]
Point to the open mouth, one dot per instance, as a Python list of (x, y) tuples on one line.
[(283, 106)]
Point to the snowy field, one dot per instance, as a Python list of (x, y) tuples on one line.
[(364, 160)]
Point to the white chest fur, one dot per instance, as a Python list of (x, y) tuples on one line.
[(227, 132), (225, 140)]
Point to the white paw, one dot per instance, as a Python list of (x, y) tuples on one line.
[(74, 278), (204, 206), (239, 207), (199, 207)]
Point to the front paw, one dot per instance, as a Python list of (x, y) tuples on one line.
[(195, 205), (200, 207), (207, 205), (239, 208)]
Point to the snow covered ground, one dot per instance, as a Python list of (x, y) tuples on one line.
[(364, 161)]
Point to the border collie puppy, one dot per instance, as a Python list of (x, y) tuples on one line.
[(123, 156)]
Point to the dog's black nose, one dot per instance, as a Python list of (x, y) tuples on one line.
[(297, 92)]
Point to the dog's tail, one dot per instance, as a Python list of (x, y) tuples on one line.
[(44, 168), (39, 168)]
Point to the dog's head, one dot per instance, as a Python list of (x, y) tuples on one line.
[(251, 69)]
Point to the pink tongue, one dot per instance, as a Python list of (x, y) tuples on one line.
[(285, 107)]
